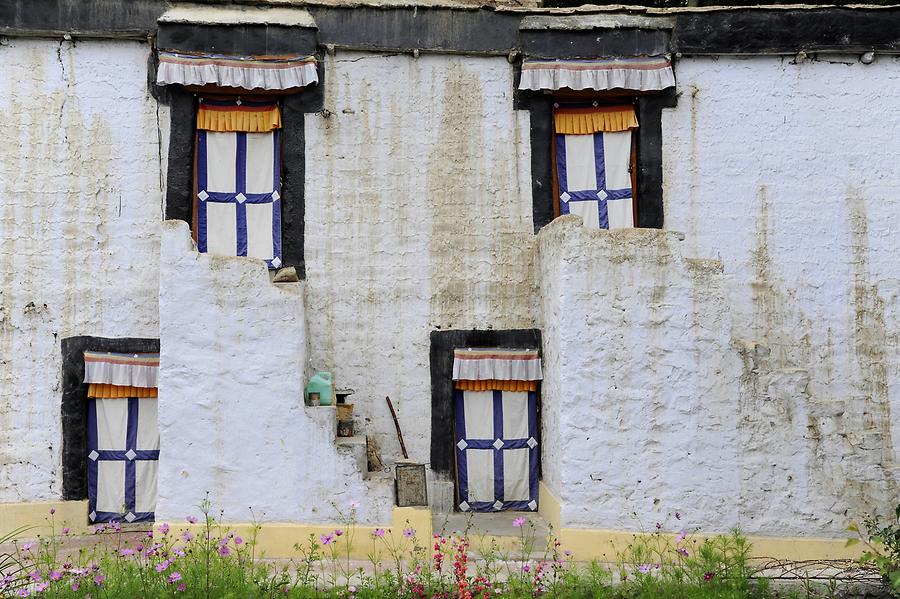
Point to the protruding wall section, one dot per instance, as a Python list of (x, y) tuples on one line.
[(232, 420)]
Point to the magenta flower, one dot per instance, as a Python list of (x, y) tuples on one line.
[(181, 588), (114, 524), (240, 541), (162, 565), (526, 568), (66, 530), (708, 576), (379, 532), (139, 547), (224, 550), (98, 579), (149, 534), (644, 568), (192, 519), (567, 552), (126, 552), (23, 593), (52, 511), (187, 537), (35, 576), (338, 532), (409, 533), (174, 577), (75, 585), (41, 587), (683, 551), (327, 539), (164, 528), (680, 537), (55, 575), (518, 522), (27, 546), (658, 526)]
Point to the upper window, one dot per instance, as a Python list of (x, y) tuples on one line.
[(237, 186), (594, 162)]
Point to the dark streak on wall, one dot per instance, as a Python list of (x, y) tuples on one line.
[(74, 404), (441, 358), (180, 177)]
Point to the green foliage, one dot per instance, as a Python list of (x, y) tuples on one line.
[(882, 546), (216, 562)]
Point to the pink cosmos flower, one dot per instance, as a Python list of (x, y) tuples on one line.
[(192, 519), (35, 576), (526, 568), (658, 526), (41, 587), (240, 541), (644, 568), (683, 551), (162, 565), (518, 522), (567, 552), (224, 550), (174, 577), (327, 539), (52, 511), (409, 533), (27, 546), (55, 575), (23, 593), (114, 524), (139, 547), (66, 530), (379, 532), (164, 528), (338, 532), (708, 576), (680, 537), (75, 586), (98, 579), (178, 551), (181, 588), (126, 552)]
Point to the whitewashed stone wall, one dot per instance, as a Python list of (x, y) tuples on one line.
[(760, 396), (418, 217), (231, 415), (79, 230)]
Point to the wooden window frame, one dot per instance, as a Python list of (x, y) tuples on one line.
[(602, 98)]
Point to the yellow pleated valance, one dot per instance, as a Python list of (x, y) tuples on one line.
[(238, 115), (594, 119), (105, 391), (496, 385)]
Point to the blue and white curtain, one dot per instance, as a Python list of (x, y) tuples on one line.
[(496, 450), (594, 178), (123, 459), (238, 192)]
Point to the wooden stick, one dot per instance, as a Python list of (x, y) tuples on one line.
[(397, 426)]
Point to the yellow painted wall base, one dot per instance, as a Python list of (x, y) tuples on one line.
[(277, 540), (36, 517)]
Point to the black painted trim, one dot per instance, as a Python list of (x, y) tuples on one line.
[(74, 404), (441, 359), (541, 107), (180, 172), (293, 181), (133, 18), (405, 29), (594, 43), (237, 39)]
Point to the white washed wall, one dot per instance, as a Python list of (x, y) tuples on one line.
[(79, 230), (418, 217), (231, 415), (762, 396)]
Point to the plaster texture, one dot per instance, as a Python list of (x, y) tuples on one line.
[(786, 173), (638, 379), (79, 230), (231, 415), (418, 218)]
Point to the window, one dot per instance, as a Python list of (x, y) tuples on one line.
[(595, 162), (237, 183), (596, 147)]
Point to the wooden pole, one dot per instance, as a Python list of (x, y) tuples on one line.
[(397, 426)]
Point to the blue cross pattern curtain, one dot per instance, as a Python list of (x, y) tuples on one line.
[(238, 192), (594, 178), (123, 459), (496, 450)]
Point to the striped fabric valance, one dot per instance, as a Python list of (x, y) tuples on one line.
[(249, 116), (593, 119), (638, 74), (246, 72), (479, 364), (129, 370)]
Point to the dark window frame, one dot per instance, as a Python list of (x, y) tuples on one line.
[(74, 404)]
